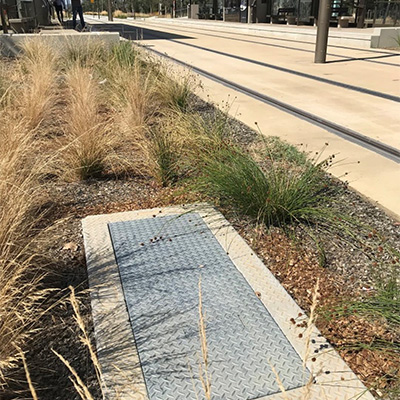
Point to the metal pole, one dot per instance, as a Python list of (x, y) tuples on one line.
[(3, 18), (361, 14), (375, 12), (298, 12), (110, 16), (324, 16)]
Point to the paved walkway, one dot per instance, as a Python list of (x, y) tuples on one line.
[(357, 88)]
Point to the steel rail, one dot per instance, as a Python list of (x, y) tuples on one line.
[(374, 145), (371, 144)]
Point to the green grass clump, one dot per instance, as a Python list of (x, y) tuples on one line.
[(176, 92), (163, 156), (384, 305), (85, 54), (124, 54), (283, 151), (233, 176), (273, 195)]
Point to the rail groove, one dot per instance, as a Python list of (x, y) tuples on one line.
[(376, 146)]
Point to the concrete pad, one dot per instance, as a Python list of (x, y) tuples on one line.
[(115, 339), (10, 44)]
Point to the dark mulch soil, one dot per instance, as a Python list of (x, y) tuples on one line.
[(348, 271)]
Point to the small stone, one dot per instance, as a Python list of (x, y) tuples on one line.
[(70, 246)]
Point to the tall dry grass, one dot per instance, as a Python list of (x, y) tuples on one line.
[(35, 77), (133, 94), (20, 296), (27, 102), (90, 140)]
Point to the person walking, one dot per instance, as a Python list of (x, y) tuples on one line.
[(59, 5), (77, 9)]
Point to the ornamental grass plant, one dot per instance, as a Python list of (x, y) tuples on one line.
[(88, 53), (20, 294), (272, 194), (176, 92), (89, 144), (34, 83)]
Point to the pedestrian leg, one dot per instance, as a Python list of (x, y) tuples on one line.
[(80, 11), (74, 12)]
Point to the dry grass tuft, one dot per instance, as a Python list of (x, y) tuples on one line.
[(89, 140), (18, 180), (133, 94), (20, 296), (163, 154), (36, 73), (87, 54)]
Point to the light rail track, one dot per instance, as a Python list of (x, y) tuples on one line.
[(146, 33), (371, 144), (222, 35)]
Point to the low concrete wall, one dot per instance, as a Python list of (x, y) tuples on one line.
[(385, 38), (10, 44)]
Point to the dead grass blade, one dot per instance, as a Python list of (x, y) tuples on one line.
[(204, 374), (80, 387), (85, 336), (28, 376)]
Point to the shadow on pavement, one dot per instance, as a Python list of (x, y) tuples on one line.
[(365, 58), (135, 33)]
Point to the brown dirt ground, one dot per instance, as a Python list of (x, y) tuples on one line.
[(62, 246)]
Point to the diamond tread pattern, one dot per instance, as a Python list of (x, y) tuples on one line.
[(160, 278)]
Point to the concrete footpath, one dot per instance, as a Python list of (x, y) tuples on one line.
[(352, 37)]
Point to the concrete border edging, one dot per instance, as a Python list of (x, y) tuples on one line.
[(117, 352), (10, 44)]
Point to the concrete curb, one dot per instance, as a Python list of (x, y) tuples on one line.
[(10, 44)]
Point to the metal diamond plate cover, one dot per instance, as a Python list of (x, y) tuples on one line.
[(160, 261)]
